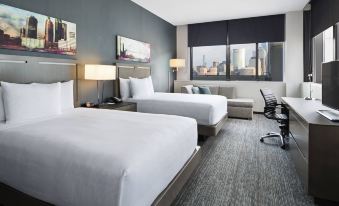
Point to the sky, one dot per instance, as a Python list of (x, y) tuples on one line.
[(12, 19)]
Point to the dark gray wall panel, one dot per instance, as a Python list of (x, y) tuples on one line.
[(98, 23)]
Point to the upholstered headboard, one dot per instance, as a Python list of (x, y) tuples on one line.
[(126, 71), (24, 69)]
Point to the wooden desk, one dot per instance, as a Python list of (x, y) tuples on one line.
[(314, 148)]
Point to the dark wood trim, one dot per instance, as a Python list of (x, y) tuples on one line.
[(212, 130), (172, 190), (12, 197)]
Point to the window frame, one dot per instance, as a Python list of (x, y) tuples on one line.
[(228, 76)]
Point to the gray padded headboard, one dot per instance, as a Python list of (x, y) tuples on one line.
[(126, 71), (27, 69)]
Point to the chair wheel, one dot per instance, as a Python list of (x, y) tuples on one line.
[(283, 147), (261, 140)]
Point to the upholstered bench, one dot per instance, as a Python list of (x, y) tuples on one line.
[(237, 107)]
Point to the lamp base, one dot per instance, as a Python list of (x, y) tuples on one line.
[(309, 98)]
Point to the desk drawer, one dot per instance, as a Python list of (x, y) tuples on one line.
[(299, 161), (299, 129)]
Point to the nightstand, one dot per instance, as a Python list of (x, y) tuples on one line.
[(123, 106)]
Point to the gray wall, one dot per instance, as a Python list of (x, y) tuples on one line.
[(98, 22)]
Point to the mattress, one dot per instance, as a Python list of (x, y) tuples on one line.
[(206, 109), (96, 157)]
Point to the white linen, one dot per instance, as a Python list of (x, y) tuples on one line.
[(67, 96), (96, 157), (23, 102), (206, 109), (2, 108), (125, 92), (141, 87)]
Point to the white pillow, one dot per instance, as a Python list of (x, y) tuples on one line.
[(24, 102), (2, 109), (125, 91), (141, 87), (67, 96)]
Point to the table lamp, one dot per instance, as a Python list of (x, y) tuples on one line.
[(175, 64), (99, 73)]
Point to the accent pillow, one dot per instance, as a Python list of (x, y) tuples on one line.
[(204, 90), (125, 88), (187, 89), (2, 109), (24, 102), (141, 87), (67, 96), (195, 90)]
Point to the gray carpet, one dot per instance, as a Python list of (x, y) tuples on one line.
[(236, 169)]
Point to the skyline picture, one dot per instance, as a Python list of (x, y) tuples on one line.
[(28, 31), (132, 50)]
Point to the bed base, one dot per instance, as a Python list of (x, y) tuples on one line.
[(12, 197), (212, 130)]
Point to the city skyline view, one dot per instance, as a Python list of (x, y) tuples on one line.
[(25, 30)]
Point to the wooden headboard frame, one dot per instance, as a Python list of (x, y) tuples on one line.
[(130, 70), (28, 69)]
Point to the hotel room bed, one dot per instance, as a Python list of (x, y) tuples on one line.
[(206, 109), (96, 157), (210, 111)]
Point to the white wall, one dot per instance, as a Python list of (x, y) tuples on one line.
[(293, 69), (183, 52)]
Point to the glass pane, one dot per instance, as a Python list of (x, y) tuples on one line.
[(243, 61), (209, 62), (270, 61), (328, 40)]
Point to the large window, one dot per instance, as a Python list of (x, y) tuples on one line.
[(209, 62), (256, 61)]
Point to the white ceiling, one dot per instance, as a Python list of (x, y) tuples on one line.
[(180, 12)]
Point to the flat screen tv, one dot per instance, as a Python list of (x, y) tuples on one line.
[(330, 84)]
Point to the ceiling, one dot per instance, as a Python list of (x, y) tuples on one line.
[(181, 12)]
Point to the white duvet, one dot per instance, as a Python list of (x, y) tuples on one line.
[(96, 157), (206, 109)]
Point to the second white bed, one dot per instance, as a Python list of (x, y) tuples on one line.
[(206, 109)]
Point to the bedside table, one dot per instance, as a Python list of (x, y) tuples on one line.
[(123, 106)]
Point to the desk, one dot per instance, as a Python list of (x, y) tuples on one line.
[(314, 148)]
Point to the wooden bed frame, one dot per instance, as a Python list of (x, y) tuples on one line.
[(46, 70), (126, 70), (12, 197)]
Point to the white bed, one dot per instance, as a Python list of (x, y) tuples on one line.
[(206, 109), (96, 157)]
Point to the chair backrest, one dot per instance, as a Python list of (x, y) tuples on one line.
[(270, 102)]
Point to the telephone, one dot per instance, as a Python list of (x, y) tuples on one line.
[(113, 100)]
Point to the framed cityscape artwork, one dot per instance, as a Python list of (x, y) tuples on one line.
[(29, 31), (132, 50)]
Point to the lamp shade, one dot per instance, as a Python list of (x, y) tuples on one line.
[(177, 63), (100, 72)]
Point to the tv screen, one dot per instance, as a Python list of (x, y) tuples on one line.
[(330, 84)]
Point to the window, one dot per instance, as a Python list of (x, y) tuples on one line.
[(323, 51), (270, 61), (243, 61), (256, 61), (209, 62)]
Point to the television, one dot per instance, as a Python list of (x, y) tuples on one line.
[(330, 84)]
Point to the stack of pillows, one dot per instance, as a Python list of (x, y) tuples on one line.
[(201, 90), (23, 102), (136, 88)]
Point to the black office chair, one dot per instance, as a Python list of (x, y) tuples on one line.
[(270, 112)]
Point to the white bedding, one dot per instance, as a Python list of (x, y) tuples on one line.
[(206, 109), (96, 157)]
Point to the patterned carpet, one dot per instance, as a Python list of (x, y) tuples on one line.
[(237, 169)]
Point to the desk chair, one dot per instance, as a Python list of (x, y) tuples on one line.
[(270, 112)]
